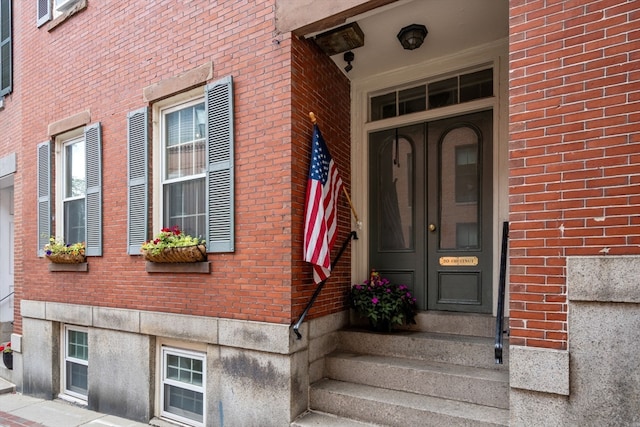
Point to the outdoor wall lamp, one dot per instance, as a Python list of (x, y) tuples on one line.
[(348, 57), (412, 36)]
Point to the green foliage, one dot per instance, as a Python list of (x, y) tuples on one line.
[(170, 238), (383, 303), (58, 246)]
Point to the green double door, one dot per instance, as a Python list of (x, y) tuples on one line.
[(431, 210)]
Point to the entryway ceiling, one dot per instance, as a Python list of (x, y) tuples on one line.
[(453, 26)]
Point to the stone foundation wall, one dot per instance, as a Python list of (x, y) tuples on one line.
[(257, 373), (597, 380)]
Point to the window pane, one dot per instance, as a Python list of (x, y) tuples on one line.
[(78, 346), (75, 181), (185, 403), (467, 173), (74, 221), (77, 378), (395, 196), (476, 85), (185, 152), (383, 106), (185, 206), (459, 189), (412, 100), (443, 93)]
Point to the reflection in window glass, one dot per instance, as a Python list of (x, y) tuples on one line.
[(383, 106), (459, 189), (412, 100), (476, 85), (395, 194), (467, 173), (443, 93)]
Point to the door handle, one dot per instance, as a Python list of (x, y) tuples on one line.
[(432, 227)]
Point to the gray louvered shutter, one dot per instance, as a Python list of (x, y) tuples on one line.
[(138, 182), (44, 195), (5, 47), (220, 201), (44, 11), (93, 197)]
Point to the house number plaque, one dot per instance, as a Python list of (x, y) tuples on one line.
[(458, 260)]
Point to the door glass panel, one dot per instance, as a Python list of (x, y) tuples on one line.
[(460, 185), (395, 204)]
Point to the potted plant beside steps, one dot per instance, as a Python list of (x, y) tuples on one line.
[(7, 355), (383, 303)]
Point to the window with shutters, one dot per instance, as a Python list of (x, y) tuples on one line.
[(74, 177), (6, 78), (52, 9), (191, 161)]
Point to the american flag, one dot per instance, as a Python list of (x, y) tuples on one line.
[(323, 188)]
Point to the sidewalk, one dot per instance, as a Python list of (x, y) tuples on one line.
[(17, 410)]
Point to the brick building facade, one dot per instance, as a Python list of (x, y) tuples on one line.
[(549, 88)]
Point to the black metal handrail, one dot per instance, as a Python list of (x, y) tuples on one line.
[(501, 291), (296, 326), (11, 293)]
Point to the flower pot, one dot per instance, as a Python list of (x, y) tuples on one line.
[(66, 258), (195, 253), (7, 358), (380, 326)]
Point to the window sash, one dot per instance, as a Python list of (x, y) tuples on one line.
[(183, 385), (76, 362), (184, 166)]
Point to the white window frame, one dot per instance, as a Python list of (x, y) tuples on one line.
[(166, 350), (63, 140), (66, 392), (160, 110)]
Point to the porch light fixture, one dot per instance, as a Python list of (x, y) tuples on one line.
[(412, 36), (348, 58)]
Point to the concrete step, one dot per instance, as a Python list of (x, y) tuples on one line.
[(320, 419), (481, 386), (434, 347), (6, 386), (445, 322), (399, 408)]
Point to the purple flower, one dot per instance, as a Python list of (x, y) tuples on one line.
[(388, 290), (409, 295), (402, 287), (358, 287), (374, 300)]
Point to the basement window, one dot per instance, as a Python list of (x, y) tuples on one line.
[(183, 387)]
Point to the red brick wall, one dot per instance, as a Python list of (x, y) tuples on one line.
[(319, 86), (100, 60), (574, 181), (10, 137)]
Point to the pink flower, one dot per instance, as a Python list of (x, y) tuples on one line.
[(375, 300)]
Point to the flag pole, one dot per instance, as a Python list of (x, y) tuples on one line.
[(312, 116)]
